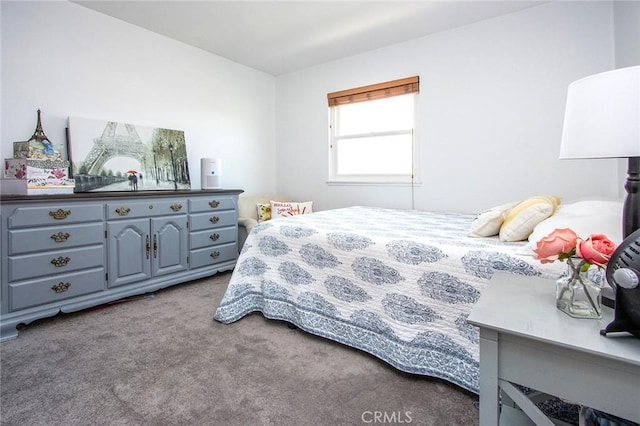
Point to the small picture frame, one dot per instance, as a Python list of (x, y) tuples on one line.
[(21, 149)]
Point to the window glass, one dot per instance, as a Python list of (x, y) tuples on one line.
[(375, 155), (373, 141), (376, 116)]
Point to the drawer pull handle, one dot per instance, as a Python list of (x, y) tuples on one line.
[(123, 211), (60, 237), (214, 204), (214, 220), (176, 207), (61, 287), (215, 254), (214, 237), (60, 261), (148, 246), (60, 214)]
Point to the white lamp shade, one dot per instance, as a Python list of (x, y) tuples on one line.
[(602, 116)]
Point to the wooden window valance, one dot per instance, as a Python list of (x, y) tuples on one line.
[(372, 92)]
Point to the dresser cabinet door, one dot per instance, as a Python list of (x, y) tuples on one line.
[(169, 245), (129, 251)]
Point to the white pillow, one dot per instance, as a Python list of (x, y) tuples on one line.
[(584, 218), (488, 223), (521, 220), (286, 209)]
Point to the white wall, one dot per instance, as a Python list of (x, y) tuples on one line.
[(627, 33), (626, 18), (68, 60), (490, 118)]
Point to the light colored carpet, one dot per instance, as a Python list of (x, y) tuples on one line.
[(163, 360)]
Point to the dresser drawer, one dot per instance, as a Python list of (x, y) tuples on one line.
[(52, 289), (213, 237), (55, 262), (213, 203), (58, 237), (222, 219), (136, 209), (55, 214), (212, 255)]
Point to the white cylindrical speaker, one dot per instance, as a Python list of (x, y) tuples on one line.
[(210, 173)]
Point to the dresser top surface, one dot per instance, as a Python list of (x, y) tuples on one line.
[(4, 198)]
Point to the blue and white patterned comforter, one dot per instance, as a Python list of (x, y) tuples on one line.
[(398, 284)]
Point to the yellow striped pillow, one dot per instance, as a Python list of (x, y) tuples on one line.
[(521, 220)]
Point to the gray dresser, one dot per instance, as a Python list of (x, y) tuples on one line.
[(69, 252)]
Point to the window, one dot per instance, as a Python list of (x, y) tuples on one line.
[(372, 133)]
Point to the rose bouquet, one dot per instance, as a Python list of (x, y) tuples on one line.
[(563, 244), (580, 254)]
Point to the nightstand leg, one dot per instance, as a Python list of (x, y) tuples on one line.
[(489, 401)]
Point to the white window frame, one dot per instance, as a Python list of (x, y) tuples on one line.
[(368, 179)]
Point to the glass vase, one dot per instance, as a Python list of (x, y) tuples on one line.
[(576, 294)]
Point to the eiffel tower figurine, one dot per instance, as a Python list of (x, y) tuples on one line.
[(39, 136)]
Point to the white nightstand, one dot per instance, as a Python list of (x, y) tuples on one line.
[(526, 340)]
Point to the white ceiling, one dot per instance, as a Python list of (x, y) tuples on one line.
[(278, 37)]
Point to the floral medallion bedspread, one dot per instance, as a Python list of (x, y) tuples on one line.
[(398, 284)]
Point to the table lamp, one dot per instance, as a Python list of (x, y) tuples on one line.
[(602, 120)]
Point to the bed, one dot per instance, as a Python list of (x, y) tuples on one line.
[(398, 284)]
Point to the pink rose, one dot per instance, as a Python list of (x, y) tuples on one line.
[(560, 241), (597, 249)]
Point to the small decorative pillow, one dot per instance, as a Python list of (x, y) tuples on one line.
[(264, 212), (302, 208), (488, 223), (523, 218), (285, 209)]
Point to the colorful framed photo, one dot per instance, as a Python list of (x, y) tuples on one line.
[(21, 149)]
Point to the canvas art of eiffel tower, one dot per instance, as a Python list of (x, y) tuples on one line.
[(114, 156)]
